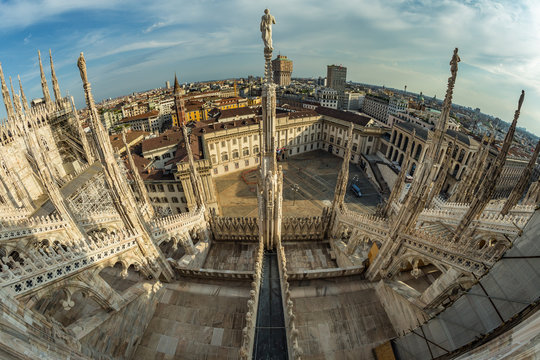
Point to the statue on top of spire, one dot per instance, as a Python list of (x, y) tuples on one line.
[(81, 64), (266, 29), (453, 62)]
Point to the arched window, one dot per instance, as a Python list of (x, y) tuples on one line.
[(461, 155)]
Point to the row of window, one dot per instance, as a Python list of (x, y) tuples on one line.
[(236, 166), (161, 188), (163, 200)]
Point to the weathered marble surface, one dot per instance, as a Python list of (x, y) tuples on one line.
[(194, 320)]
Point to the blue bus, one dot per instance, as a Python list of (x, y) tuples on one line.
[(356, 190)]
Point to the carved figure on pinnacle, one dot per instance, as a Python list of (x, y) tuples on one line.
[(266, 29)]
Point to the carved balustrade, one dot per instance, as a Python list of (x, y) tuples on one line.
[(169, 226), (13, 229), (50, 264)]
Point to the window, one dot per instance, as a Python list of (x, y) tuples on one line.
[(166, 155), (297, 150), (234, 141), (160, 188), (370, 138), (339, 141), (212, 146), (179, 188), (255, 137), (174, 199), (214, 159), (311, 147), (256, 160), (226, 167), (152, 188), (245, 139), (236, 165), (164, 200), (299, 129), (215, 171), (325, 126), (245, 151), (340, 130), (235, 154), (255, 149), (223, 144), (355, 136), (178, 210), (224, 156), (354, 147), (305, 138), (312, 137), (332, 139), (170, 187), (246, 163), (183, 199)]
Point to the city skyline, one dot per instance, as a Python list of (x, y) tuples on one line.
[(132, 47)]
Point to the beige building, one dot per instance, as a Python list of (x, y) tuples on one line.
[(235, 145)]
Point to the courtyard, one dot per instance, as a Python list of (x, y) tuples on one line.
[(313, 174)]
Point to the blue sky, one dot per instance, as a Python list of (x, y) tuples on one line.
[(131, 46)]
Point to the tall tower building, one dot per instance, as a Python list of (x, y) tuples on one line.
[(336, 77), (282, 68)]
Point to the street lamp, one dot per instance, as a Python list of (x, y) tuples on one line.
[(295, 189)]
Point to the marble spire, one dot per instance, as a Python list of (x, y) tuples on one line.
[(487, 188), (16, 100), (56, 87), (44, 87), (23, 97), (5, 95), (120, 192)]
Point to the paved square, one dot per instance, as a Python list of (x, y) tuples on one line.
[(314, 172)]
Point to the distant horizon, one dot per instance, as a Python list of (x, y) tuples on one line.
[(131, 46)]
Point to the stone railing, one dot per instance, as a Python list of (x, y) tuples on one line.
[(13, 229), (326, 273), (8, 213), (99, 217), (215, 274), (304, 228), (370, 224), (489, 221), (295, 352), (170, 225), (248, 332), (46, 265), (234, 228)]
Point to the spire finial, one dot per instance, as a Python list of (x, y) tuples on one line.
[(56, 87), (23, 97), (5, 95), (44, 87)]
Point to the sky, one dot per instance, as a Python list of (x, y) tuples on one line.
[(138, 45)]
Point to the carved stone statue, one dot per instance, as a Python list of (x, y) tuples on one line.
[(81, 63), (454, 61), (266, 29)]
